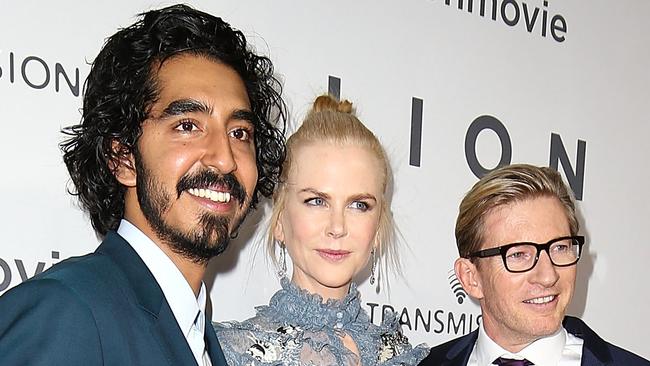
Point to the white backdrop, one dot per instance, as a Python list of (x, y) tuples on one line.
[(584, 77)]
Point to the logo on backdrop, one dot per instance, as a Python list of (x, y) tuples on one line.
[(558, 154), (512, 13), (458, 321), (8, 269), (427, 320), (38, 73), (456, 287)]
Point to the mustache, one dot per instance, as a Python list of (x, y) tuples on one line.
[(208, 178)]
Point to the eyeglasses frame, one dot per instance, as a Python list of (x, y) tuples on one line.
[(502, 250)]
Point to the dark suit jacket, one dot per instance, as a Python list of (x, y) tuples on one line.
[(104, 308), (595, 351)]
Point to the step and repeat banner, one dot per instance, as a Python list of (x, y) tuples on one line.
[(452, 89)]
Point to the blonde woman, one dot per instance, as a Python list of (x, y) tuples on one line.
[(331, 216)]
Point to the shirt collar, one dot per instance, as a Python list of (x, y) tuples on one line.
[(544, 351), (180, 297)]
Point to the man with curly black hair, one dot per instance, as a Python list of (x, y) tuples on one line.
[(182, 129)]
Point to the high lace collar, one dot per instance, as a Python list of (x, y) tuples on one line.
[(293, 305)]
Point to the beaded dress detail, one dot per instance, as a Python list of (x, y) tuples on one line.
[(298, 328)]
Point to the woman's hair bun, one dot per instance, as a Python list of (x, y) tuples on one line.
[(329, 103)]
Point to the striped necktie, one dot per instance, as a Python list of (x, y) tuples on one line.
[(510, 362)]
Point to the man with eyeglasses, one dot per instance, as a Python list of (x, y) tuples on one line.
[(517, 236)]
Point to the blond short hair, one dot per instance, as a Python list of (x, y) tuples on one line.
[(508, 184)]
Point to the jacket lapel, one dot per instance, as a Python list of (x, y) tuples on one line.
[(214, 349), (170, 338), (458, 354), (149, 296), (595, 351)]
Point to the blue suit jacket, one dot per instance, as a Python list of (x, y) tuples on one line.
[(595, 351), (104, 308)]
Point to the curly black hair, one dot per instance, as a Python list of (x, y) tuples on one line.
[(121, 88)]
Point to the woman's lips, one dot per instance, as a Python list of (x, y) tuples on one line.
[(333, 255)]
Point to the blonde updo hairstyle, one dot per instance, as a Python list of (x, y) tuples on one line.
[(333, 122)]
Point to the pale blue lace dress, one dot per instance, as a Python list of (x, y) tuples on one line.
[(297, 328)]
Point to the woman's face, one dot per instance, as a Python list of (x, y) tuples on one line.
[(331, 215)]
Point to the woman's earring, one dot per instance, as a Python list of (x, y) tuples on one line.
[(373, 267), (283, 260)]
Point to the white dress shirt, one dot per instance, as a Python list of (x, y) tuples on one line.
[(559, 349), (188, 310)]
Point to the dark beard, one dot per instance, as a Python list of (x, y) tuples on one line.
[(212, 235)]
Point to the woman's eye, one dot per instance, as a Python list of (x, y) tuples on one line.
[(358, 205), (316, 201), (186, 126), (241, 134)]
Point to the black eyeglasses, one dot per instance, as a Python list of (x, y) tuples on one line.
[(522, 257)]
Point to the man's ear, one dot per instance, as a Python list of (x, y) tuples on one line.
[(122, 164), (469, 277)]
